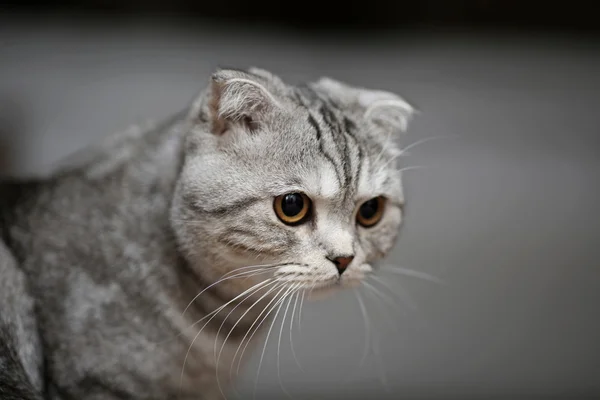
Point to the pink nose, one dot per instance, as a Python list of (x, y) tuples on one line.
[(341, 263)]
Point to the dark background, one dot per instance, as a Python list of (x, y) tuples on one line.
[(311, 15)]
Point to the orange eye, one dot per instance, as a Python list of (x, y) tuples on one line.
[(292, 208), (371, 211)]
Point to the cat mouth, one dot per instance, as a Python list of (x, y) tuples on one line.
[(317, 283)]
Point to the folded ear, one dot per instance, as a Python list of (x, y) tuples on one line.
[(237, 97), (385, 109)]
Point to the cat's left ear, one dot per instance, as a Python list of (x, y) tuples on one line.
[(383, 108), (243, 98)]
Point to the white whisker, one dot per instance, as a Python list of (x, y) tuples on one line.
[(403, 291), (267, 341), (424, 140), (300, 312), (225, 319), (254, 287), (413, 274), (238, 321), (297, 295), (216, 311), (411, 168), (383, 148), (379, 361), (404, 151), (282, 286), (251, 266), (378, 293), (217, 282), (207, 315), (363, 310), (279, 343)]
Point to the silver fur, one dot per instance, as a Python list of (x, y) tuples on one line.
[(119, 240)]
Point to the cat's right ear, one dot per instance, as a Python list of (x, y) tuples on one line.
[(236, 98)]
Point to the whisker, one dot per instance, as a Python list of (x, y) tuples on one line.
[(387, 286), (225, 319), (282, 286), (424, 140), (252, 266), (254, 287), (215, 283), (374, 344), (267, 341), (383, 148), (215, 311), (363, 310), (379, 361), (413, 167), (246, 277), (413, 274), (292, 330), (403, 292), (287, 307), (300, 312), (232, 329), (404, 151), (408, 299), (378, 295)]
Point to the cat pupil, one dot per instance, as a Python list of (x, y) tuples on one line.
[(369, 209), (292, 204)]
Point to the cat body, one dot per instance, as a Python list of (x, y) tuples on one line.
[(109, 266)]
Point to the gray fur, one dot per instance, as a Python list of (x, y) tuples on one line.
[(112, 247), (20, 350)]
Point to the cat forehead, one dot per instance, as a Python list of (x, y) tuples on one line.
[(325, 181)]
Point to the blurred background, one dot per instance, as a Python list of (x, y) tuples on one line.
[(504, 212)]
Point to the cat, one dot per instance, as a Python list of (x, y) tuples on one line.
[(138, 268)]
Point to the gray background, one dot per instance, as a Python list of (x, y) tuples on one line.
[(505, 212)]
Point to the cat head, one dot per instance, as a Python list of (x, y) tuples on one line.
[(292, 184)]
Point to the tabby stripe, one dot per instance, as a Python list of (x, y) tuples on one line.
[(238, 206), (349, 128), (308, 93), (237, 245), (315, 125), (341, 145), (284, 237), (351, 190), (330, 120)]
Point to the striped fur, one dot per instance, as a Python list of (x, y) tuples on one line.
[(121, 249)]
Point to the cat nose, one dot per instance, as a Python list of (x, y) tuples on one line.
[(341, 262)]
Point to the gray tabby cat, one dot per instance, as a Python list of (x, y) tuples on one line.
[(142, 269)]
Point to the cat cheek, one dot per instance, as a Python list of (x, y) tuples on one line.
[(377, 243)]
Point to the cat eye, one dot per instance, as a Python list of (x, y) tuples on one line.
[(292, 208), (371, 211)]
